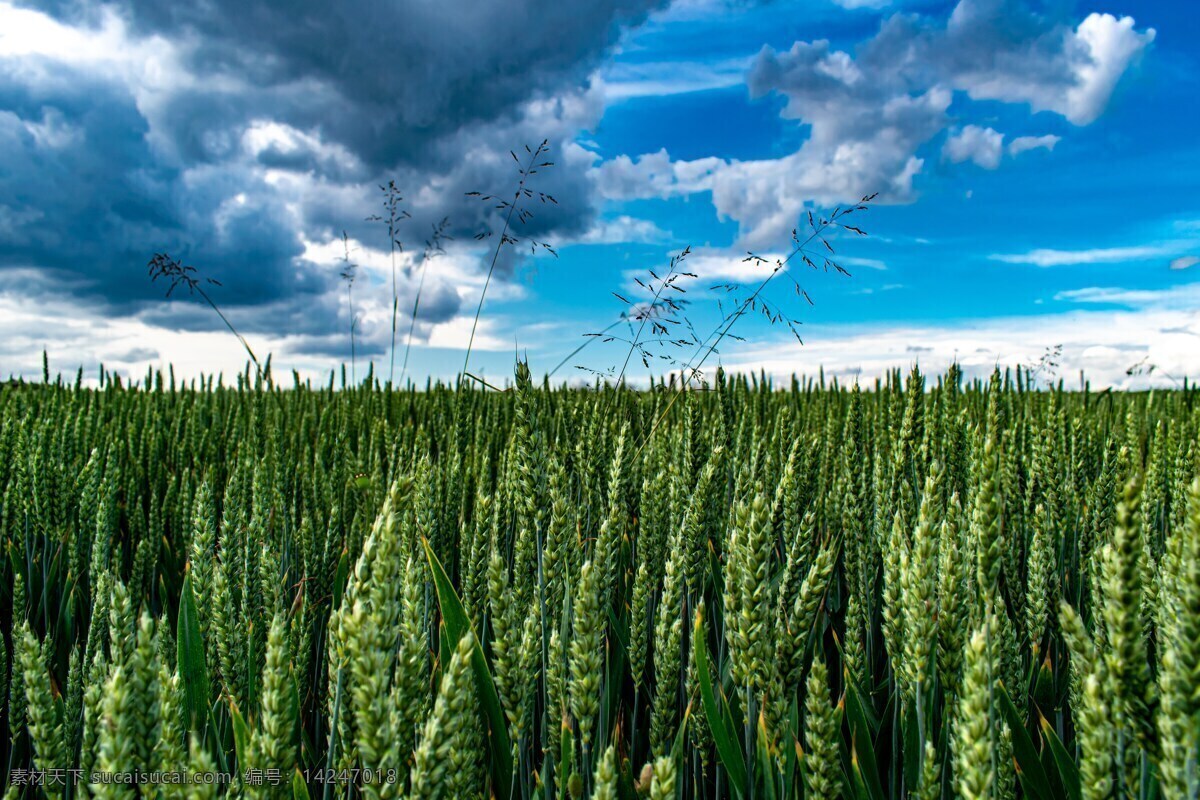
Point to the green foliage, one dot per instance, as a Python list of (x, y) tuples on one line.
[(929, 589)]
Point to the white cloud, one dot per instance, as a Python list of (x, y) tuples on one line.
[(152, 68), (653, 175), (973, 143), (856, 261), (721, 266), (31, 35), (263, 136), (457, 332), (862, 3), (1134, 298), (998, 50), (625, 229), (625, 80), (74, 335), (1103, 344), (1183, 262), (1106, 255), (869, 113), (1185, 297), (1105, 47), (1022, 144), (852, 151)]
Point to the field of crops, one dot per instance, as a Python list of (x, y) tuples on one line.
[(930, 588)]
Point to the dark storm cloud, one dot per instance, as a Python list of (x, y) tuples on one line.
[(137, 354), (94, 179), (92, 199), (395, 77)]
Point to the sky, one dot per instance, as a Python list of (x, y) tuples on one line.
[(1033, 167)]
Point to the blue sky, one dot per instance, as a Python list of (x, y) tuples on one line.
[(1035, 164)]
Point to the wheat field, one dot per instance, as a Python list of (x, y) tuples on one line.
[(928, 587)]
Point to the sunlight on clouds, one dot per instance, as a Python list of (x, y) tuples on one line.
[(1102, 344), (264, 136), (457, 332), (622, 81), (74, 337), (1023, 144), (1107, 46), (869, 114), (973, 143), (1045, 257), (625, 229), (149, 66)]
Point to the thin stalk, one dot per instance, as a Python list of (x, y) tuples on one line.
[(353, 354), (394, 215), (395, 309), (633, 727), (662, 284), (232, 330), (576, 351), (496, 253), (487, 281), (431, 247), (412, 323), (722, 330)]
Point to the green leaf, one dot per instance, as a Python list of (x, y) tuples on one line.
[(793, 765), (454, 617), (681, 736), (728, 749), (914, 748), (241, 737), (862, 756), (1067, 770), (613, 683), (1029, 766), (339, 579), (767, 771), (253, 684), (566, 750), (621, 631), (297, 725), (193, 673), (856, 788), (299, 787), (1043, 686)]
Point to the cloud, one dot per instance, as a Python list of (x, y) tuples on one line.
[(654, 175), (1101, 344), (868, 114), (230, 134), (1181, 298), (1106, 295), (985, 146), (862, 3), (1184, 262), (1023, 144), (857, 261), (1105, 255), (78, 334), (625, 229), (714, 270), (973, 143), (136, 355), (625, 80), (369, 67), (1004, 50)]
